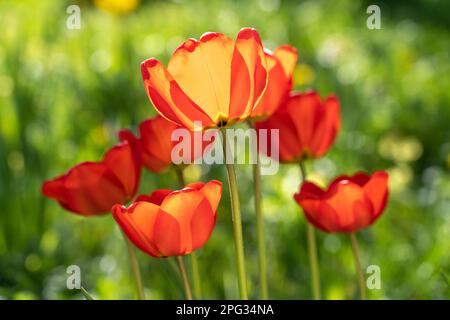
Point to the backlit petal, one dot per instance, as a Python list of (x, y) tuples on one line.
[(277, 90), (202, 224), (287, 55), (166, 235), (137, 222), (168, 98), (123, 160), (327, 126), (203, 70), (248, 73), (88, 189), (376, 190), (211, 190)]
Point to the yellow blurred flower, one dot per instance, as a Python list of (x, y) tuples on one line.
[(99, 135), (399, 177), (303, 74), (334, 293), (117, 6), (400, 149)]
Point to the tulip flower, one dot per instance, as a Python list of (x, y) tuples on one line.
[(92, 188), (307, 126), (155, 143), (348, 205), (213, 80), (280, 65), (171, 223)]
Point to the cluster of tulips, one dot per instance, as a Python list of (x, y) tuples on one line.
[(220, 82)]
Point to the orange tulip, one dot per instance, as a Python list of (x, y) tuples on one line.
[(155, 143), (281, 64), (348, 205), (213, 80), (171, 223), (91, 188), (307, 126)]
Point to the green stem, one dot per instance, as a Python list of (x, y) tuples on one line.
[(260, 227), (359, 271), (312, 250), (86, 294), (313, 261), (236, 218), (135, 268), (180, 176), (187, 288), (193, 256), (196, 276)]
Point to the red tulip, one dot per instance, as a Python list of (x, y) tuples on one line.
[(349, 203), (281, 64), (307, 126), (91, 188), (214, 80), (156, 145), (171, 223)]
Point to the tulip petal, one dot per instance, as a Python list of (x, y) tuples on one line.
[(376, 190), (182, 205), (168, 98), (248, 73), (352, 206), (277, 90), (327, 127), (88, 189), (167, 235), (156, 197), (202, 224), (211, 190), (287, 56), (123, 160), (289, 147), (137, 222), (304, 111), (156, 144), (203, 70), (318, 213)]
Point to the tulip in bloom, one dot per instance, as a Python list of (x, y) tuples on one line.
[(92, 188), (156, 146), (171, 223), (348, 205), (307, 126), (213, 80), (280, 65)]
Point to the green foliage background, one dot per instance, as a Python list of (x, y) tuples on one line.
[(64, 94)]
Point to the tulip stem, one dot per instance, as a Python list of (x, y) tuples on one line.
[(196, 276), (86, 294), (236, 218), (193, 256), (356, 255), (260, 227), (187, 287), (135, 268), (312, 250)]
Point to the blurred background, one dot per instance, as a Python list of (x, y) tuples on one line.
[(64, 94)]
